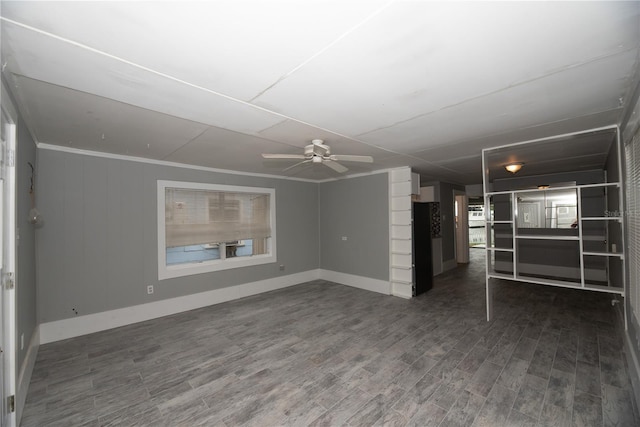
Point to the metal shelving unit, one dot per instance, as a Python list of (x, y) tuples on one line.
[(598, 239)]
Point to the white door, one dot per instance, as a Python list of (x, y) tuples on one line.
[(7, 259)]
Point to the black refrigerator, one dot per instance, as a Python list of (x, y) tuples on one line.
[(425, 217)]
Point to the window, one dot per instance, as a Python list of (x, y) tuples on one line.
[(209, 227), (632, 156)]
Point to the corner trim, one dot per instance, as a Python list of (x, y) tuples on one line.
[(26, 370), (402, 290), (76, 326), (83, 152), (128, 158), (361, 282)]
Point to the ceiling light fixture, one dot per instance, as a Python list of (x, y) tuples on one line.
[(514, 167), (543, 187)]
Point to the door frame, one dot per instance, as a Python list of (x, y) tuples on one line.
[(461, 225), (8, 267)]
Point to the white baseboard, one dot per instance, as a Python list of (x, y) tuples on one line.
[(26, 370), (366, 283), (82, 325)]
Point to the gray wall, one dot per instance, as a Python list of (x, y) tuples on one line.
[(26, 321), (474, 190), (357, 208), (443, 193), (447, 220), (98, 248), (612, 165)]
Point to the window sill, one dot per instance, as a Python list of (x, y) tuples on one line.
[(174, 271)]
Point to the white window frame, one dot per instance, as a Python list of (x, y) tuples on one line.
[(179, 270)]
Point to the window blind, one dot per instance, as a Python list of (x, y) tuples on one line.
[(632, 160), (195, 217)]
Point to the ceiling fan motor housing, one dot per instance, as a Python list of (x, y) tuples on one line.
[(316, 148), (318, 152)]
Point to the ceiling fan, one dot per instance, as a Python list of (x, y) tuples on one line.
[(319, 152)]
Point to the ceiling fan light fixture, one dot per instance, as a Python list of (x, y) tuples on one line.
[(320, 153), (514, 167)]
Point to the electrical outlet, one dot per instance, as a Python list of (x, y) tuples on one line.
[(150, 289), (281, 267)]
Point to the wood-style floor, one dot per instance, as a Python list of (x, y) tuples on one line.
[(324, 354)]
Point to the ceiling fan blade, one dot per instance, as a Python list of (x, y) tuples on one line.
[(297, 164), (335, 166), (351, 158), (284, 156)]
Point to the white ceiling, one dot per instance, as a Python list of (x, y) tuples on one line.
[(215, 84)]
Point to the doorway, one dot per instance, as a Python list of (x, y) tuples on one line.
[(477, 222)]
